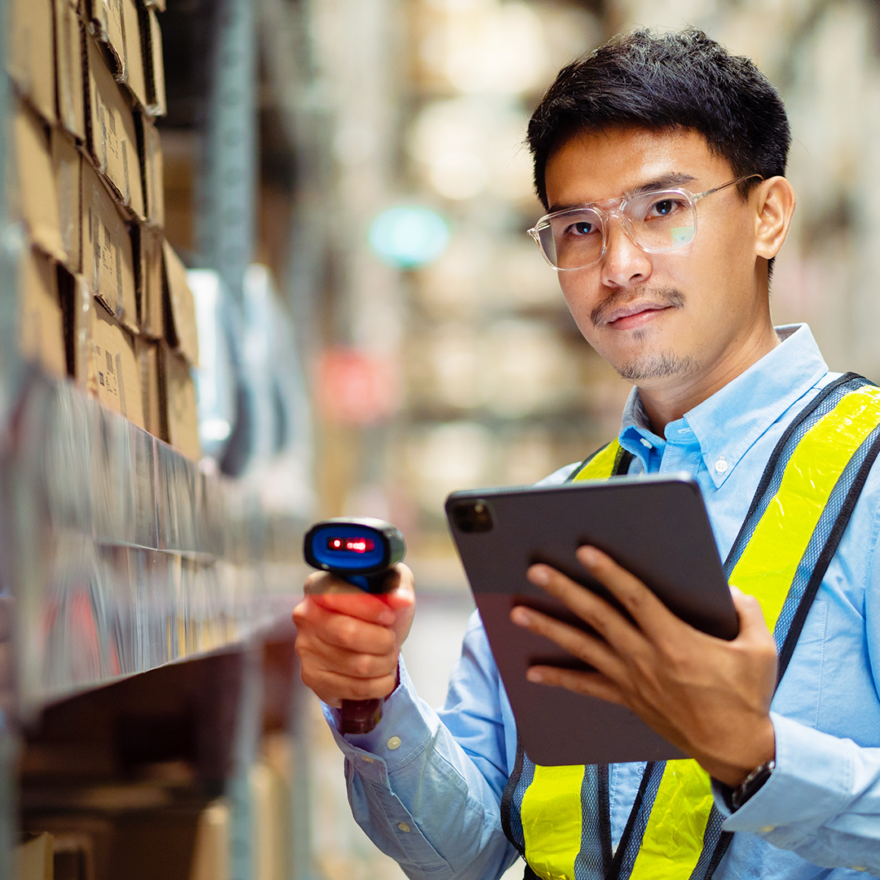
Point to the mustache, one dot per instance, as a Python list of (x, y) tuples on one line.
[(666, 296)]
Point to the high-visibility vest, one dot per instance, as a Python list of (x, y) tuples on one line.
[(559, 817)]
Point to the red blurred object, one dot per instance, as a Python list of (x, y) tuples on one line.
[(355, 388)]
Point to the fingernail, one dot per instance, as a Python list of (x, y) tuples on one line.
[(539, 575), (520, 616), (588, 556), (534, 675)]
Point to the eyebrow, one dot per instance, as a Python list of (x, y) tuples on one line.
[(673, 178)]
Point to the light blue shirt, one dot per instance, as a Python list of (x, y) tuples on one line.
[(426, 785)]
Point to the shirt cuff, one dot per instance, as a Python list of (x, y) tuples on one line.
[(810, 784), (403, 731)]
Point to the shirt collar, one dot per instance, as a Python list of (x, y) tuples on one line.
[(729, 422)]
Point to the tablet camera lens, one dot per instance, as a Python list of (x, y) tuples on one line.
[(472, 516)]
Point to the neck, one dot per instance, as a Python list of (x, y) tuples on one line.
[(668, 401)]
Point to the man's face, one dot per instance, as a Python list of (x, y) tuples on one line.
[(683, 317)]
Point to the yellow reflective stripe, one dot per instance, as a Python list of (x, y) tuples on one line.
[(551, 821), (601, 465), (673, 839), (768, 565)]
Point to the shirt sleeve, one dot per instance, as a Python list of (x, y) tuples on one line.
[(425, 785), (822, 800)]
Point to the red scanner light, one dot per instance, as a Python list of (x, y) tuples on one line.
[(351, 545)]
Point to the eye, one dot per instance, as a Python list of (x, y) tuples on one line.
[(664, 206), (582, 227)]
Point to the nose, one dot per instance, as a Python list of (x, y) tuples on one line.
[(624, 263)]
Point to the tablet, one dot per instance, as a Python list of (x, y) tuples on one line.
[(655, 526)]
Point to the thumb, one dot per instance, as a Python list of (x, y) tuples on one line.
[(751, 616), (402, 593)]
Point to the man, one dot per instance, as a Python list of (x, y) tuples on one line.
[(660, 162)]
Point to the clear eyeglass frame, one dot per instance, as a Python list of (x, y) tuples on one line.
[(618, 208)]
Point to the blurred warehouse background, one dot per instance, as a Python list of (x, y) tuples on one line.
[(347, 183)]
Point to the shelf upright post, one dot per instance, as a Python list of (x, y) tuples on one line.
[(226, 186)]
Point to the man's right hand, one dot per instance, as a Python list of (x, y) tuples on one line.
[(348, 641)]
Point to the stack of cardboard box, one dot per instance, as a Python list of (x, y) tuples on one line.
[(102, 296)]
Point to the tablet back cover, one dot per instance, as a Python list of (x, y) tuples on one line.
[(655, 527)]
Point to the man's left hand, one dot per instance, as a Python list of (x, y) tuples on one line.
[(707, 696)]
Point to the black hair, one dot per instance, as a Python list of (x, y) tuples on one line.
[(658, 80)]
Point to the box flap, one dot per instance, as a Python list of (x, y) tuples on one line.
[(112, 137), (66, 161), (30, 53), (40, 319), (33, 196), (151, 284), (147, 351), (107, 24), (181, 411), (107, 256), (69, 70), (135, 77), (153, 167), (154, 66), (113, 374), (180, 324)]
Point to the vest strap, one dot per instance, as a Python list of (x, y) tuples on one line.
[(812, 480)]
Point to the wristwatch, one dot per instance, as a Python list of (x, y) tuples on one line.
[(751, 784)]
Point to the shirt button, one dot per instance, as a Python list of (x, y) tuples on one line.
[(404, 827), (646, 443), (721, 466), (393, 743), (766, 829), (367, 759)]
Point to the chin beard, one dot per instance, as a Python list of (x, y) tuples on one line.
[(658, 366)]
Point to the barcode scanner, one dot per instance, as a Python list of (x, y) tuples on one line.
[(360, 551)]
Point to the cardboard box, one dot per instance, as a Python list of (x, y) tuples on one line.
[(33, 857), (66, 164), (151, 283), (33, 197), (41, 320), (152, 171), (181, 428), (69, 69), (134, 77), (112, 369), (180, 309), (107, 24), (30, 53), (112, 137), (154, 67), (107, 256), (147, 351)]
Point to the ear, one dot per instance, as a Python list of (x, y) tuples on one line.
[(774, 206)]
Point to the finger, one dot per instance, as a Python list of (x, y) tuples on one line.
[(362, 606), (651, 615), (343, 631), (589, 607), (588, 684), (314, 647), (583, 646), (333, 687)]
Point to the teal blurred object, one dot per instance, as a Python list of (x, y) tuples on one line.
[(409, 236)]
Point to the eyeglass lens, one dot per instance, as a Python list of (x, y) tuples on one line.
[(657, 221)]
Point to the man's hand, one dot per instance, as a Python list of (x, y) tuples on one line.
[(709, 697), (348, 641)]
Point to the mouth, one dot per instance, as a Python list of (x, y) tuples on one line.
[(634, 314)]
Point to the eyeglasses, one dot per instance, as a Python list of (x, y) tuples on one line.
[(662, 220)]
